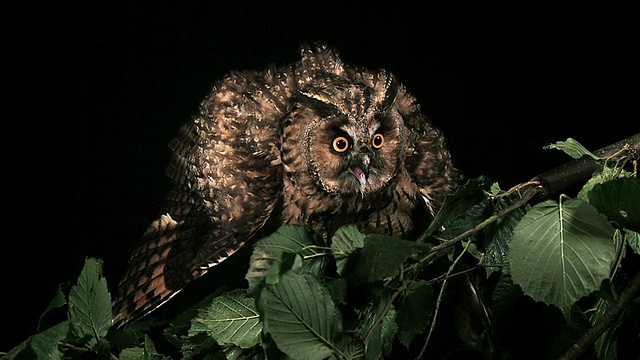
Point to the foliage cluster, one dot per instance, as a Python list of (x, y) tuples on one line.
[(492, 266)]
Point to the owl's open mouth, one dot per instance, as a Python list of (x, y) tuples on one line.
[(360, 175)]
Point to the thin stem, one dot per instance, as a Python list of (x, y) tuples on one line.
[(445, 276), (455, 240), (440, 296), (528, 195), (621, 253), (387, 307), (517, 188)]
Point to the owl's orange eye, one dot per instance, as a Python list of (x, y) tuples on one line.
[(340, 144), (377, 141)]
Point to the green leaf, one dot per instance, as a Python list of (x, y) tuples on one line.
[(347, 239), (149, 347), (415, 311), (382, 256), (135, 353), (473, 216), (572, 148), (389, 329), (381, 314), (233, 353), (123, 338), (603, 175), (276, 253), (338, 290), (619, 200), (147, 352), (57, 309), (505, 296), (230, 318), (633, 239), (90, 304), (344, 243), (300, 315), (201, 346), (181, 323), (606, 346), (498, 240), (351, 349), (457, 204), (381, 340), (43, 345), (561, 252), (291, 239)]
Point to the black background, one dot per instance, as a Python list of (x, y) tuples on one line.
[(104, 87)]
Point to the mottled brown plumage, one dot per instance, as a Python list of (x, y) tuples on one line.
[(318, 143)]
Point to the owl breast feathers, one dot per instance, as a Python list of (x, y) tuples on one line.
[(317, 143)]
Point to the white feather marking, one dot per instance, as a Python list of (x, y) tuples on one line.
[(428, 202)]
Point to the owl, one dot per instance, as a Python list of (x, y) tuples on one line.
[(317, 143)]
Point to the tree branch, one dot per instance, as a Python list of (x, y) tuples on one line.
[(559, 178), (613, 312), (550, 183)]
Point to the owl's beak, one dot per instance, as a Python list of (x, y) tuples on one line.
[(362, 172), (361, 175)]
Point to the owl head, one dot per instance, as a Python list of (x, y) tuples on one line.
[(351, 131)]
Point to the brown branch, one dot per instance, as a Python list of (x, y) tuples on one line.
[(551, 183), (548, 184), (612, 314), (559, 178)]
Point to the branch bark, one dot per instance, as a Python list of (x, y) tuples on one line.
[(613, 312), (547, 184), (559, 178)]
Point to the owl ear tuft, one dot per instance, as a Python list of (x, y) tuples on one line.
[(390, 91)]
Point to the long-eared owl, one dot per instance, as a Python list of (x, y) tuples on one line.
[(317, 143)]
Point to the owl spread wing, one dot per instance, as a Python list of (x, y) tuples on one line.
[(225, 168)]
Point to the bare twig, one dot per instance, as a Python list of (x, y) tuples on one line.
[(516, 204), (517, 188), (439, 300), (445, 276), (387, 307)]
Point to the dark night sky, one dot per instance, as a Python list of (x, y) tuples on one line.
[(501, 81)]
